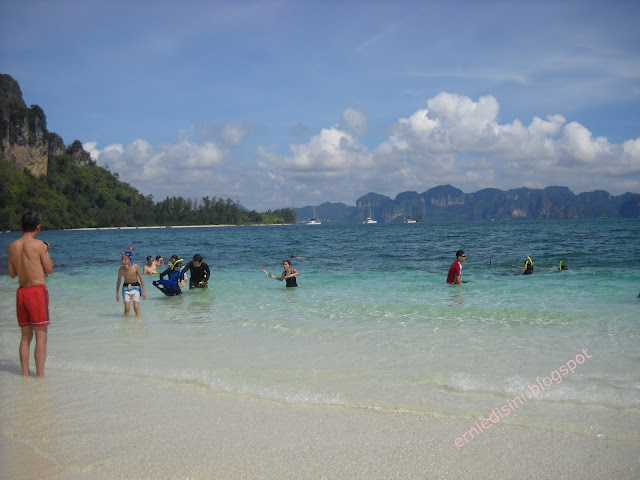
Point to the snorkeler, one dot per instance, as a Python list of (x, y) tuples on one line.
[(133, 286), (199, 272), (528, 267), (171, 285)]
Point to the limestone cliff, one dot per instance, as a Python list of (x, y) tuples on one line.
[(24, 139), (449, 203)]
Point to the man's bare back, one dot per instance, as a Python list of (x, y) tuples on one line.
[(29, 260)]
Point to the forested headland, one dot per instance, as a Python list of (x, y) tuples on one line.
[(74, 196), (69, 190)]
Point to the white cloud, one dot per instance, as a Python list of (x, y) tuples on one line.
[(187, 168), (191, 155), (328, 153), (459, 141), (327, 168), (454, 140), (457, 112), (233, 133), (581, 148), (632, 149), (354, 122)]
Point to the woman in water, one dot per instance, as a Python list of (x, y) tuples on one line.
[(289, 274)]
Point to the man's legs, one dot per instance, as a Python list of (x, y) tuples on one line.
[(25, 345), (40, 353)]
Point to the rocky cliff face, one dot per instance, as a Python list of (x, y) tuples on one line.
[(24, 139), (449, 203)]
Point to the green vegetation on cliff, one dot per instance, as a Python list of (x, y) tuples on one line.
[(76, 196)]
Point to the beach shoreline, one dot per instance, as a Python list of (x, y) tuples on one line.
[(118, 426), (151, 227)]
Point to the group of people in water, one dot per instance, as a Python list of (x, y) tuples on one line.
[(28, 259), (171, 282), (173, 279), (455, 270)]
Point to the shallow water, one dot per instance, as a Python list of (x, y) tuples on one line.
[(372, 324)]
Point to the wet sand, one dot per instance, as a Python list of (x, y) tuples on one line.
[(83, 426)]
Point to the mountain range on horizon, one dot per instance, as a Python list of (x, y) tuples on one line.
[(447, 203)]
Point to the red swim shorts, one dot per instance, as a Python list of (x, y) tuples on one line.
[(32, 305)]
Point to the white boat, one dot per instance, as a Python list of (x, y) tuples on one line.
[(370, 219), (314, 220), (410, 218)]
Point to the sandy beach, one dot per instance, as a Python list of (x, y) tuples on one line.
[(135, 428)]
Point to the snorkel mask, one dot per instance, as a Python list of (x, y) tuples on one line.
[(130, 255)]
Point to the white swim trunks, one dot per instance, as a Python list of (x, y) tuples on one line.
[(131, 293)]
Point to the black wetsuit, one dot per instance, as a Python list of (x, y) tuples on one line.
[(199, 276), (291, 282)]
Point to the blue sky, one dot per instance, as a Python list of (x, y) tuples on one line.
[(294, 103)]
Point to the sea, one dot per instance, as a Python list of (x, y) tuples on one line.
[(372, 324)]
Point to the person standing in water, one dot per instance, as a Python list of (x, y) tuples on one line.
[(29, 260), (198, 272), (133, 287), (455, 270), (289, 274), (150, 267)]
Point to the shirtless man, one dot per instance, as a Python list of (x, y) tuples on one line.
[(150, 266), (29, 260), (132, 282)]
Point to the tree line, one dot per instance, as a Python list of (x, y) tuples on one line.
[(78, 196)]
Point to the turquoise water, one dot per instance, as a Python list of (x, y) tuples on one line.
[(372, 325)]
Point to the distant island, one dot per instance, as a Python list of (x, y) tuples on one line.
[(447, 203)]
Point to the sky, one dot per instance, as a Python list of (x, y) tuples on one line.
[(278, 103)]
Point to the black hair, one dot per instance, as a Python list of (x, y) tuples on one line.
[(197, 257), (459, 253), (30, 221)]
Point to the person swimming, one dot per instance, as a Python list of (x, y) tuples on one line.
[(528, 267)]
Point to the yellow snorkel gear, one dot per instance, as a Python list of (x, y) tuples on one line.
[(560, 266), (528, 262), (177, 262)]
